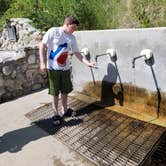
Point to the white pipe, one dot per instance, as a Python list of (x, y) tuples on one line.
[(111, 52), (147, 53), (85, 51)]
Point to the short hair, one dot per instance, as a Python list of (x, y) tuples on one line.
[(71, 20)]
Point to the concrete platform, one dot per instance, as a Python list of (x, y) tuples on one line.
[(103, 136), (24, 145)]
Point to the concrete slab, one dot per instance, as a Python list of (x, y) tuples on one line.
[(103, 136), (22, 144)]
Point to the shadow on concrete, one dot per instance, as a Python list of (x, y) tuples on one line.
[(13, 141), (108, 95)]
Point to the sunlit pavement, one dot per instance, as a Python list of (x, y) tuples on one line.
[(24, 144)]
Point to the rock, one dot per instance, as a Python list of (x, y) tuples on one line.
[(10, 85), (1, 81), (38, 78), (6, 70), (30, 74), (2, 91), (36, 86), (14, 73), (31, 59)]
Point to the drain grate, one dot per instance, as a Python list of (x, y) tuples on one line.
[(101, 135), (159, 157)]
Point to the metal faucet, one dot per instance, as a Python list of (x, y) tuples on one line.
[(146, 53), (110, 52), (97, 56), (133, 60)]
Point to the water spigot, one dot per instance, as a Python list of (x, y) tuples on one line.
[(134, 59), (133, 63), (110, 52), (147, 54)]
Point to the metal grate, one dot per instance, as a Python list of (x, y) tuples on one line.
[(101, 135), (159, 157)]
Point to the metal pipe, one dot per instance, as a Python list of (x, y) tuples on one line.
[(97, 56), (146, 53), (148, 56), (134, 59), (111, 52), (158, 92), (86, 54)]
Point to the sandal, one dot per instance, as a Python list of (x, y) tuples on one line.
[(69, 113), (56, 120)]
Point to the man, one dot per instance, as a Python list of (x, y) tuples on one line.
[(54, 49)]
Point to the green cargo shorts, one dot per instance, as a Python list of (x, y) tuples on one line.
[(59, 82)]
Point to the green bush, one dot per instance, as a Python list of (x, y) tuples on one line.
[(92, 14), (150, 13)]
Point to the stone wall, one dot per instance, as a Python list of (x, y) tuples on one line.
[(24, 34), (19, 59), (21, 76)]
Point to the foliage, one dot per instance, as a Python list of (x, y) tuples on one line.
[(150, 13), (17, 8), (4, 5), (92, 14)]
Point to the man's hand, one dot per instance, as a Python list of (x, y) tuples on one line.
[(84, 60), (91, 64)]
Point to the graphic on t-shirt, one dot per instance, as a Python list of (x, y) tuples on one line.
[(61, 60), (57, 51)]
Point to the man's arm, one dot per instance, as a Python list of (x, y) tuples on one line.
[(42, 54), (84, 60)]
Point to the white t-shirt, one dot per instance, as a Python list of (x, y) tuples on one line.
[(59, 44)]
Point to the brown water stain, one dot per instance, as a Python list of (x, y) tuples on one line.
[(128, 95)]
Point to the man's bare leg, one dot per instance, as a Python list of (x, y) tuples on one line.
[(55, 104), (64, 102), (56, 117)]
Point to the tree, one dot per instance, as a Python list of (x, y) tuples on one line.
[(4, 5)]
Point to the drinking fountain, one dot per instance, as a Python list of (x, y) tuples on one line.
[(109, 52), (147, 54), (86, 53)]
